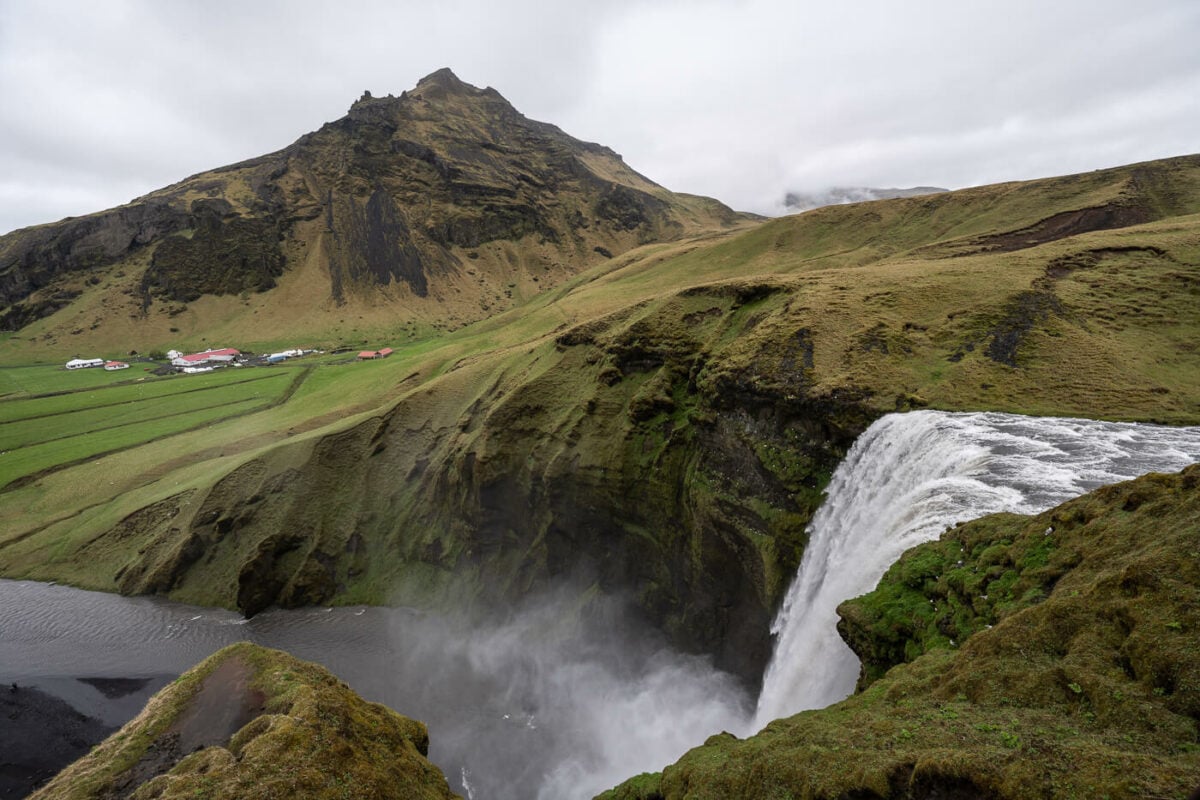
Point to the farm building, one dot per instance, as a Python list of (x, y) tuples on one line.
[(222, 356), (83, 363), (367, 355), (112, 366)]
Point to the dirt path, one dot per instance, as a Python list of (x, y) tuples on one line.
[(224, 703)]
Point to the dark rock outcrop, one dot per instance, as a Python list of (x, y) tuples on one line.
[(630, 460)]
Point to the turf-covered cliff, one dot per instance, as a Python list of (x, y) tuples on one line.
[(1052, 656), (435, 208), (661, 424), (249, 722)]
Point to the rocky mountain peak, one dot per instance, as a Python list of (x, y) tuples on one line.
[(435, 95), (407, 200), (444, 78), (445, 85)]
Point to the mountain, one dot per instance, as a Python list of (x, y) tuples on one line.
[(432, 209), (840, 195)]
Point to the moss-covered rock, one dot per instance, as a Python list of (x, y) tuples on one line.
[(1053, 656), (249, 722)]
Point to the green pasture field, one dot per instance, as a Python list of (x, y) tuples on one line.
[(25, 381), (41, 433), (15, 409)]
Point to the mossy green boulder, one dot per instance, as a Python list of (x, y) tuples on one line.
[(249, 722)]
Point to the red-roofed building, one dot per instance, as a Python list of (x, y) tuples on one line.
[(367, 355), (115, 365), (222, 356)]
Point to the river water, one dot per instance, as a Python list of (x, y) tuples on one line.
[(539, 703), (535, 703)]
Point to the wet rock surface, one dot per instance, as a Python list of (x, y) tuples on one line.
[(1017, 657)]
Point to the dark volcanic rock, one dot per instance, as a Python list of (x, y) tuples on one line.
[(220, 257), (1016, 657), (31, 258)]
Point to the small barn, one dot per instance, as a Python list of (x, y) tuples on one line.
[(84, 363), (113, 366)]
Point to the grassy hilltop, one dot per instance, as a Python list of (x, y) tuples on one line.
[(663, 422)]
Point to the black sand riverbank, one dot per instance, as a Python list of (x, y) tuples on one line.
[(39, 735)]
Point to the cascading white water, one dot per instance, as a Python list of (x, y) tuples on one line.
[(908, 478)]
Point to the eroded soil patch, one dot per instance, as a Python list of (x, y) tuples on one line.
[(1068, 223)]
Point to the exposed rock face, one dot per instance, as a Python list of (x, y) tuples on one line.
[(34, 260), (399, 192), (249, 722), (220, 257), (665, 430)]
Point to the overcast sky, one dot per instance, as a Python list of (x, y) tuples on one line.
[(742, 100)]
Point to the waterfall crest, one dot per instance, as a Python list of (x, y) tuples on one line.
[(908, 478)]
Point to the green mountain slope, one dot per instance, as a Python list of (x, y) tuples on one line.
[(661, 424), (1052, 656)]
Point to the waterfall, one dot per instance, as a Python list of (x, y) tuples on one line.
[(908, 478)]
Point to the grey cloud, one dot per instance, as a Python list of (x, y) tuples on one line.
[(743, 100)]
